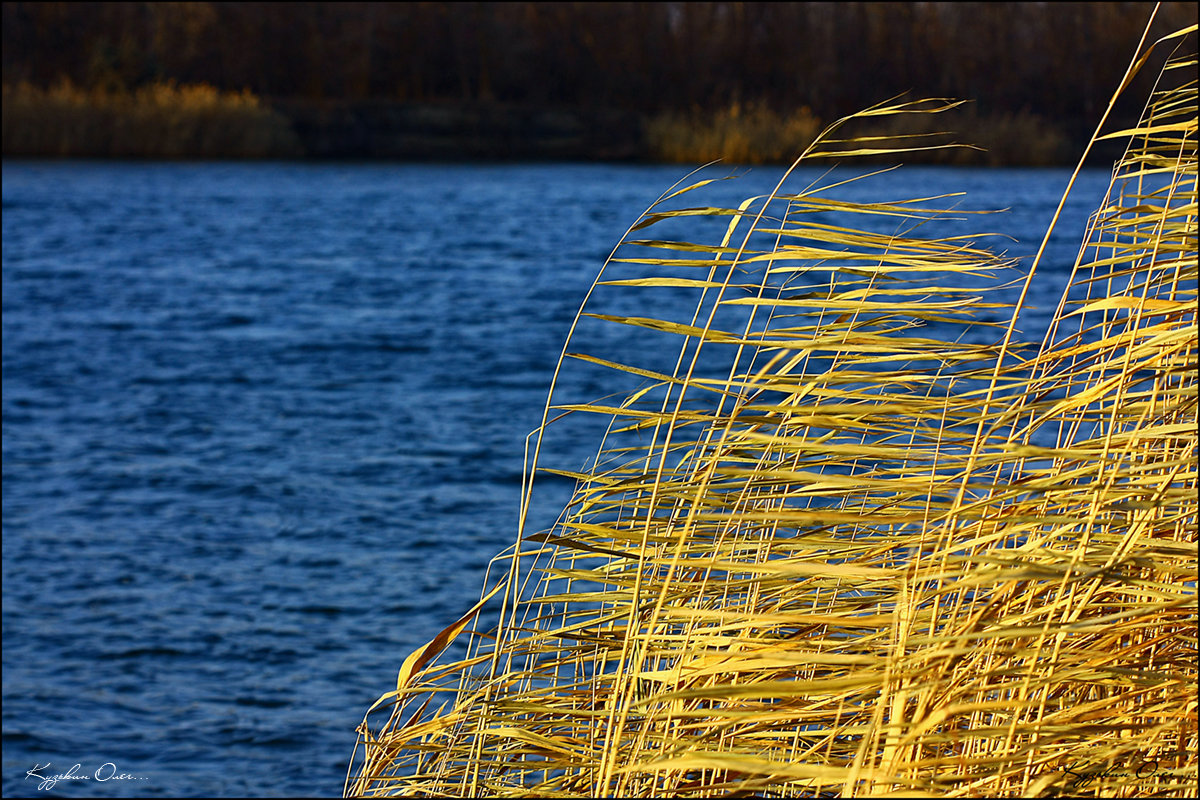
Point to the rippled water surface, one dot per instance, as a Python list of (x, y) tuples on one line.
[(263, 428)]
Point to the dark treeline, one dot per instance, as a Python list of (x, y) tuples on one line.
[(1059, 61)]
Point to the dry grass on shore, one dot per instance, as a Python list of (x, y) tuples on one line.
[(157, 121), (759, 135), (736, 135)]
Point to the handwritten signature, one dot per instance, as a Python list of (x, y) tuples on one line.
[(105, 772), (1085, 776)]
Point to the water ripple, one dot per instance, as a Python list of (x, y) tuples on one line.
[(263, 428)]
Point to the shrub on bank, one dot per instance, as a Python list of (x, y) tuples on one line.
[(750, 135), (759, 135), (161, 120)]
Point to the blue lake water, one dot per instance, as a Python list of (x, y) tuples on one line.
[(264, 425)]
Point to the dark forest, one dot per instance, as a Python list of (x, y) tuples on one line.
[(1056, 63)]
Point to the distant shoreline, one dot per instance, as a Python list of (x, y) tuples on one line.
[(469, 131), (163, 121)]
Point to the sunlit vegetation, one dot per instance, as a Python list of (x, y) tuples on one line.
[(739, 136), (159, 120), (758, 135), (825, 552)]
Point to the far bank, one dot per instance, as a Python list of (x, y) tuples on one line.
[(165, 121)]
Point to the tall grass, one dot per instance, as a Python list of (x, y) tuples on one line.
[(756, 134), (827, 554), (739, 135), (157, 121)]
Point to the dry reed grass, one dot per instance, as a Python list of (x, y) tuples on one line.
[(858, 561), (751, 135), (158, 121), (758, 135)]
